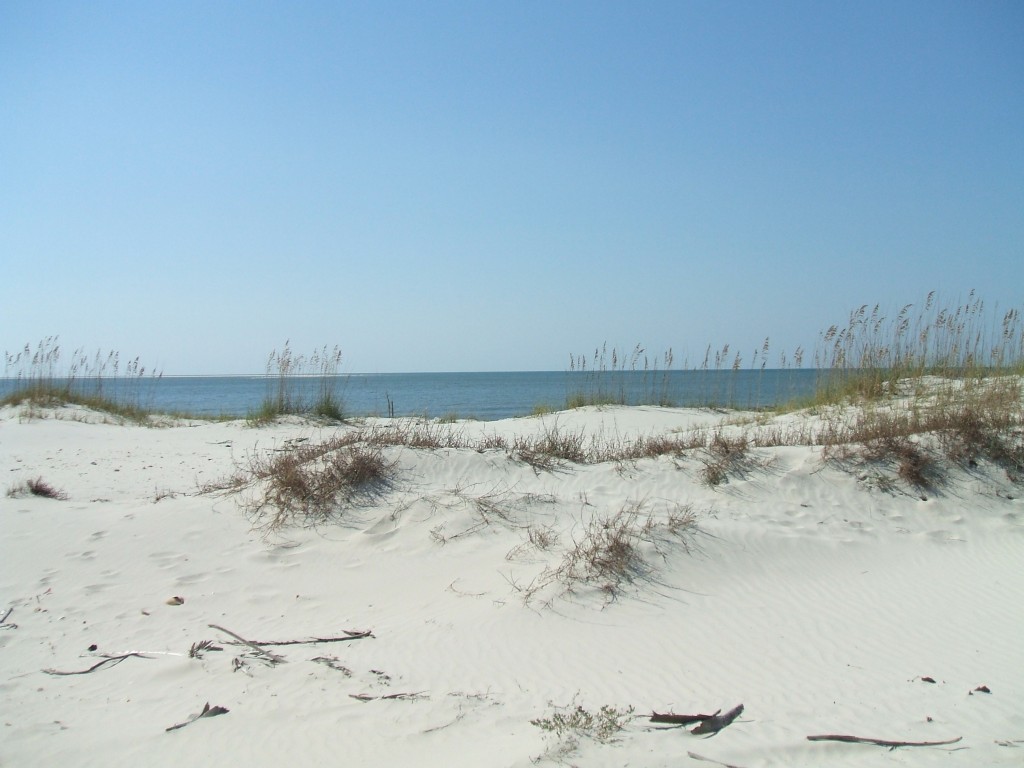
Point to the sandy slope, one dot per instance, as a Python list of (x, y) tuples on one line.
[(815, 599)]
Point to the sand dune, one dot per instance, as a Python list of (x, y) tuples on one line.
[(819, 600)]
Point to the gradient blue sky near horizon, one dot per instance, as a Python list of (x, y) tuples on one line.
[(452, 186)]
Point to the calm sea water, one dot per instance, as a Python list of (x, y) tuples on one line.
[(485, 396)]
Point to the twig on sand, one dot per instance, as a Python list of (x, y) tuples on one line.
[(349, 635), (882, 742), (364, 697), (273, 657), (111, 661), (3, 620), (208, 711), (709, 760), (717, 722)]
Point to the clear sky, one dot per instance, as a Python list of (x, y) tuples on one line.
[(495, 185)]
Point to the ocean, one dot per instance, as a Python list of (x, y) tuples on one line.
[(485, 396)]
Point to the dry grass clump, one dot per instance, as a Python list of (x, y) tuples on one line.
[(427, 434), (610, 551), (910, 460), (555, 445), (649, 446), (965, 422), (548, 450), (310, 484), (989, 425), (498, 506), (541, 537), (416, 434), (37, 487), (724, 455), (914, 465)]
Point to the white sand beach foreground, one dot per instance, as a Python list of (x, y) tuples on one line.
[(827, 599)]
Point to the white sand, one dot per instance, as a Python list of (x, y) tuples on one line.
[(810, 596)]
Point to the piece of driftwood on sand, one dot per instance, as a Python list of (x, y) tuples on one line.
[(716, 723), (881, 742), (670, 718), (708, 724)]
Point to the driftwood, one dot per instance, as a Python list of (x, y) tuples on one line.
[(717, 722), (671, 718), (110, 660), (882, 742), (208, 711), (708, 724), (273, 657)]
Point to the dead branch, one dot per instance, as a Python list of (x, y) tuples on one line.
[(364, 697), (716, 723), (274, 658), (208, 711), (674, 719), (110, 660), (882, 742), (349, 635)]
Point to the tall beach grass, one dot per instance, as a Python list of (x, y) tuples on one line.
[(41, 376), (302, 385), (874, 352), (865, 358)]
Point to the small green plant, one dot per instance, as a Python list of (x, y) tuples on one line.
[(575, 721)]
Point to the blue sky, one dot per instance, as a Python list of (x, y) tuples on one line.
[(496, 185)]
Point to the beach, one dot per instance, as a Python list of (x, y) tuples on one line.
[(441, 619)]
